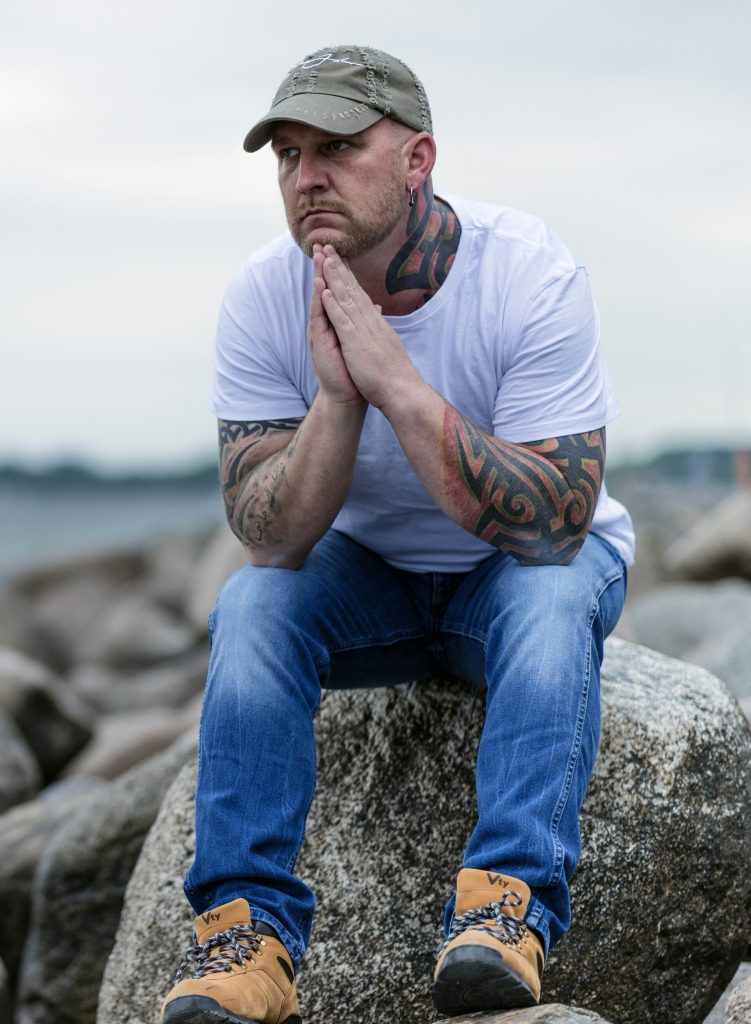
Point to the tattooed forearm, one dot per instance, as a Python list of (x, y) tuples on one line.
[(252, 461), (433, 233), (534, 501)]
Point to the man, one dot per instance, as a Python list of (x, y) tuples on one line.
[(412, 408)]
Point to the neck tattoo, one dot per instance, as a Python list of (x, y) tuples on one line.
[(425, 258)]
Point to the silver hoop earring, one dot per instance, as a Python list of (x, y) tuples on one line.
[(412, 199)]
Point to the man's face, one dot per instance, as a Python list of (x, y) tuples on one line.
[(345, 190)]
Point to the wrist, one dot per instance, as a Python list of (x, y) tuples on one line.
[(406, 397), (342, 409)]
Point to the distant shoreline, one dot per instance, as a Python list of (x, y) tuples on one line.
[(717, 464)]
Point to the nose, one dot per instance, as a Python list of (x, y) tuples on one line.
[(310, 173)]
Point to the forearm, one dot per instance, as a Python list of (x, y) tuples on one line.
[(534, 502), (285, 504)]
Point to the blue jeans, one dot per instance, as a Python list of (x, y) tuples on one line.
[(533, 635)]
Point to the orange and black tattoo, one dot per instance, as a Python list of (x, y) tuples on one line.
[(433, 233), (534, 501)]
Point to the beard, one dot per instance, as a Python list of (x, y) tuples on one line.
[(363, 230)]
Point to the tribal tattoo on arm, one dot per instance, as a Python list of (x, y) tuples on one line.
[(534, 501), (253, 458), (424, 260)]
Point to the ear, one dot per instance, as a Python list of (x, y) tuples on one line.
[(419, 153)]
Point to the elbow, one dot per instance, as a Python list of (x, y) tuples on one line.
[(550, 554)]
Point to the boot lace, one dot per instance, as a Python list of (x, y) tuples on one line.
[(234, 946), (491, 919)]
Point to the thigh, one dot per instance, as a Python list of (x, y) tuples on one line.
[(350, 607), (534, 608)]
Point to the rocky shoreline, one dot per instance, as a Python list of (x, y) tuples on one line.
[(102, 663)]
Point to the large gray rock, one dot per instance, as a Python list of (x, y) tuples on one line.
[(553, 1013), (704, 623), (718, 545), (21, 629), (127, 738), (169, 568), (134, 631), (662, 900), (68, 599), (20, 777), (78, 892), (24, 832), (171, 684), (53, 721)]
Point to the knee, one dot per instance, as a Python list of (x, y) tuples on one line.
[(259, 599), (552, 597)]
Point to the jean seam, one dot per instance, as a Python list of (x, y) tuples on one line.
[(468, 634), (389, 641), (576, 745)]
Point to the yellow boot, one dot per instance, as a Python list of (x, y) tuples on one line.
[(240, 974), (491, 960)]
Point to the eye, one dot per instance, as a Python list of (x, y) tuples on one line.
[(337, 145), (287, 152)]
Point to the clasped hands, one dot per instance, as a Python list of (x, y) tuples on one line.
[(356, 354)]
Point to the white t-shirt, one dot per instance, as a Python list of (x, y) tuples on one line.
[(511, 339)]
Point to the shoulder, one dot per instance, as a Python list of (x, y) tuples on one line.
[(522, 243), (277, 268)]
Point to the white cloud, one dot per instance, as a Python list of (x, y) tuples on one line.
[(128, 202)]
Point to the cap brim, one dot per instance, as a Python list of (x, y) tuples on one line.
[(334, 114)]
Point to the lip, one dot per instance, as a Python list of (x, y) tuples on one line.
[(317, 212)]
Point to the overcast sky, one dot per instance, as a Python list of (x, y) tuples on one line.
[(128, 202)]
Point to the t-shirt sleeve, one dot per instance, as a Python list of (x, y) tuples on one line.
[(554, 379), (251, 381)]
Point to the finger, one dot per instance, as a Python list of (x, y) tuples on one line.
[(347, 292), (338, 314), (319, 325), (334, 265)]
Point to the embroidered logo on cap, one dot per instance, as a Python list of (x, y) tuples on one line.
[(315, 62)]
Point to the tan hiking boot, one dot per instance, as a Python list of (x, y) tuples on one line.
[(491, 960), (240, 974)]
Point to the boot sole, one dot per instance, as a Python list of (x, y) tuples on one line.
[(202, 1010), (475, 978)]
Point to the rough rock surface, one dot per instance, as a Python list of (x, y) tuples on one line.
[(662, 900), (20, 777), (54, 723), (78, 892), (739, 1005), (553, 1013), (24, 832)]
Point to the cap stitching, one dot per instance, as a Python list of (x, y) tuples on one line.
[(387, 94)]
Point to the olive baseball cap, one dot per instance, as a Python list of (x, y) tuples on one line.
[(343, 90)]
